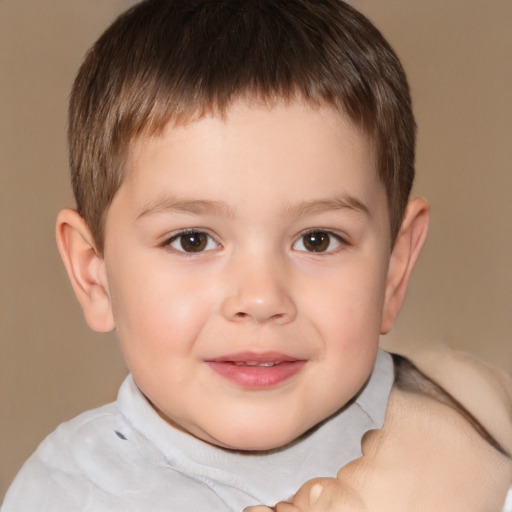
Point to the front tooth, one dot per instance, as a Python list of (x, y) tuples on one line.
[(254, 363)]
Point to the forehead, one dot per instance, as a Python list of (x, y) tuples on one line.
[(282, 149), (297, 125)]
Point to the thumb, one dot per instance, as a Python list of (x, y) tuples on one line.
[(280, 507), (327, 495)]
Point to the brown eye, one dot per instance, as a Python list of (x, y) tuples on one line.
[(192, 241), (317, 241)]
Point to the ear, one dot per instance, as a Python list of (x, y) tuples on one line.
[(406, 250), (86, 269)]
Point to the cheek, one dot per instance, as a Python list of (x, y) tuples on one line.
[(158, 309), (348, 316), (348, 303)]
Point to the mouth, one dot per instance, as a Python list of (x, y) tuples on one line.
[(255, 363), (256, 370)]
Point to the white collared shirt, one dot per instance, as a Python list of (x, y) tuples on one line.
[(124, 457)]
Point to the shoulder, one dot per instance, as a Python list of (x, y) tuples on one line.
[(56, 476), (98, 461), (485, 392)]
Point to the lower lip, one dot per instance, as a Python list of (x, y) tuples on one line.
[(257, 377)]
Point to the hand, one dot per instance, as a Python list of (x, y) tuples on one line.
[(426, 458), (320, 495)]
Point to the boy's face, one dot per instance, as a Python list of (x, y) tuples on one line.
[(247, 262)]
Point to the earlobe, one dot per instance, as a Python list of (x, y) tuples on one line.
[(406, 250), (86, 269)]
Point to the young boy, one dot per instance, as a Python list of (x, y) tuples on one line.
[(242, 172)]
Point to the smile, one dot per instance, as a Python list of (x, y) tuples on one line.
[(255, 363), (256, 371)]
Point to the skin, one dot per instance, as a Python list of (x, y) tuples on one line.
[(426, 458), (254, 183)]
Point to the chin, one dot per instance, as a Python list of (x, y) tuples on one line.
[(265, 438)]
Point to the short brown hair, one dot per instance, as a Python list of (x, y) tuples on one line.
[(174, 60)]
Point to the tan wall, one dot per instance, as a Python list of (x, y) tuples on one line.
[(457, 53)]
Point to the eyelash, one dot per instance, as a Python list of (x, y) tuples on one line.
[(331, 237), (324, 240), (180, 236)]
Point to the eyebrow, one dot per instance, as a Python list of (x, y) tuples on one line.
[(322, 205), (187, 206), (207, 206)]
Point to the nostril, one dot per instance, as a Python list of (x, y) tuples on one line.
[(246, 316), (271, 306)]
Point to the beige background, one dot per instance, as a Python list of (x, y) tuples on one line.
[(458, 57)]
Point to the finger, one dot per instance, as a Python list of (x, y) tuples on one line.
[(309, 494), (327, 495), (286, 507), (280, 507)]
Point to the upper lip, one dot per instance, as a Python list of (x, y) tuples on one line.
[(255, 357)]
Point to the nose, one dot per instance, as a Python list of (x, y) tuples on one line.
[(259, 294)]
